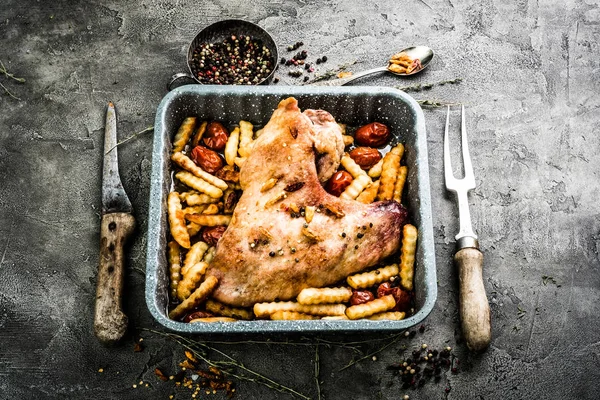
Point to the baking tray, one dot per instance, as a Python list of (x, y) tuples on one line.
[(354, 106)]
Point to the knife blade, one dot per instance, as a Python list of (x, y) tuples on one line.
[(117, 225)]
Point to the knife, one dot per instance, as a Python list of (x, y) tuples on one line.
[(474, 307), (110, 322)]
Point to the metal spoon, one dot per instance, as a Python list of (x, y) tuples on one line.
[(423, 53)]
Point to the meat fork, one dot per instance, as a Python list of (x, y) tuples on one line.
[(474, 307)]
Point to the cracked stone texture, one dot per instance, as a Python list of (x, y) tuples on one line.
[(531, 84)]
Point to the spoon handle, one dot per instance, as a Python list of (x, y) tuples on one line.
[(343, 81)]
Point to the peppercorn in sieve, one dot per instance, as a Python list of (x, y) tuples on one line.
[(216, 34)]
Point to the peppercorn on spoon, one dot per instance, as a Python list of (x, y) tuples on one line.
[(474, 307)]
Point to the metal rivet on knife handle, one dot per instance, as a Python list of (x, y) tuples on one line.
[(110, 322), (474, 307)]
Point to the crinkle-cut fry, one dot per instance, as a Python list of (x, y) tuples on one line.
[(193, 198), (174, 267), (246, 134), (195, 209), (324, 295), (199, 133), (352, 167), (399, 185), (210, 254), (194, 256), (177, 221), (367, 279), (186, 163), (212, 209), (356, 187), (348, 140), (389, 172), (291, 316), (199, 184), (373, 307), (212, 319), (342, 128), (239, 161), (198, 297), (183, 134), (407, 256), (193, 228), (389, 315), (262, 310), (209, 220), (369, 194), (335, 317), (224, 310), (190, 280), (231, 148), (375, 171)]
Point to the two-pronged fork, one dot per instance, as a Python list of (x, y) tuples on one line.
[(474, 307)]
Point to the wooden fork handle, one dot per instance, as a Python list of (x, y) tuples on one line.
[(110, 322), (474, 307)]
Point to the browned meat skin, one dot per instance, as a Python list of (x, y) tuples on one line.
[(265, 254)]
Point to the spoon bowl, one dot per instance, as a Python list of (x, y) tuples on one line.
[(423, 53)]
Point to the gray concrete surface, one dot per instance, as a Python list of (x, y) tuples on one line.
[(531, 84)]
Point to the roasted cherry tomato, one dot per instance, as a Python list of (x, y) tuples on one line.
[(374, 134), (215, 137), (338, 183), (212, 234), (208, 160), (197, 314), (402, 297), (365, 157), (361, 297)]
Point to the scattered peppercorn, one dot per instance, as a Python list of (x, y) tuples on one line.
[(272, 253), (306, 79), (356, 247), (275, 80), (360, 235), (324, 58), (282, 60), (343, 234)]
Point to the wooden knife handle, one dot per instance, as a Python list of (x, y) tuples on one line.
[(474, 307), (110, 322)]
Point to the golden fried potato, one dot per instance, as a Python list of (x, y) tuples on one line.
[(389, 315), (199, 133), (368, 279), (246, 135), (262, 310), (369, 194), (198, 297), (209, 220), (389, 172), (373, 307), (399, 185), (177, 221), (199, 184), (356, 187), (224, 310), (183, 134), (407, 256), (291, 316), (194, 256), (231, 148), (174, 266), (186, 163), (190, 280), (324, 295)]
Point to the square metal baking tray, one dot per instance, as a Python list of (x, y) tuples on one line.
[(351, 105)]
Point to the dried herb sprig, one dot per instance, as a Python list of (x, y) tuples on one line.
[(435, 103), (329, 74), (148, 129), (9, 75), (379, 350), (4, 71), (427, 86), (229, 365), (317, 372)]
